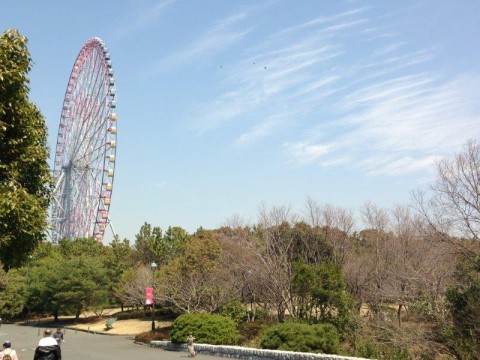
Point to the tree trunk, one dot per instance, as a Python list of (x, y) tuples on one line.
[(399, 315), (281, 313)]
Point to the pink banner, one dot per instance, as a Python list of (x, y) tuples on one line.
[(148, 296)]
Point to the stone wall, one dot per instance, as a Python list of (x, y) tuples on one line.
[(238, 352)]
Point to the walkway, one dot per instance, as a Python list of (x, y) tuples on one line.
[(83, 346)]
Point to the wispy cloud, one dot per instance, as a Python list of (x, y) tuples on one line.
[(399, 126), (402, 165), (144, 17), (347, 100), (321, 21), (263, 84), (306, 153), (217, 39), (257, 132)]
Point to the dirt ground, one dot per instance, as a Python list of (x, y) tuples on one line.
[(93, 323), (120, 327)]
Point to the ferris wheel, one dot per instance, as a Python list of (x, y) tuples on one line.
[(84, 164)]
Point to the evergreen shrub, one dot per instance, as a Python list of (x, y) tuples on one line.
[(301, 337), (206, 328)]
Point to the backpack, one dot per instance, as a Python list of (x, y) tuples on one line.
[(7, 356)]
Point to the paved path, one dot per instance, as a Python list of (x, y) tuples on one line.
[(83, 346)]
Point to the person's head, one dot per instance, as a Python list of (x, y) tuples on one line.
[(59, 329), (47, 332), (7, 344), (190, 334)]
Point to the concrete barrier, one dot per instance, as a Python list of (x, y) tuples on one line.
[(238, 352)]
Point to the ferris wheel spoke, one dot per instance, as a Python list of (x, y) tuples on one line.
[(86, 113), (93, 127), (89, 123)]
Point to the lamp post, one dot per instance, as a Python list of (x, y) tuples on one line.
[(153, 266)]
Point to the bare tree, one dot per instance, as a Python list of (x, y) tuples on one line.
[(243, 268), (376, 239), (312, 212), (398, 262), (337, 224), (454, 209), (235, 221), (276, 215), (131, 290)]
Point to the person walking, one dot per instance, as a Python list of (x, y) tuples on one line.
[(58, 335), (190, 341), (48, 348), (8, 353)]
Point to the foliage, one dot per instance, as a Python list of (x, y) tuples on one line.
[(70, 284), (152, 245), (81, 246), (119, 257), (206, 328), (371, 350), (310, 244), (24, 172), (290, 336), (234, 309), (83, 286), (463, 335), (321, 295), (12, 299), (130, 314), (249, 330), (41, 277)]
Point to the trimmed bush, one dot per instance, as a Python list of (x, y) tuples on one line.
[(130, 314), (317, 338), (206, 328)]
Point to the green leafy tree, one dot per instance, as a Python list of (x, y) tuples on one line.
[(148, 243), (81, 246), (174, 241), (42, 276), (154, 245), (463, 335), (24, 172), (69, 282), (82, 286), (321, 295), (120, 257), (12, 299)]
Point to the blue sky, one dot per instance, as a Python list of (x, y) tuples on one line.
[(224, 105)]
